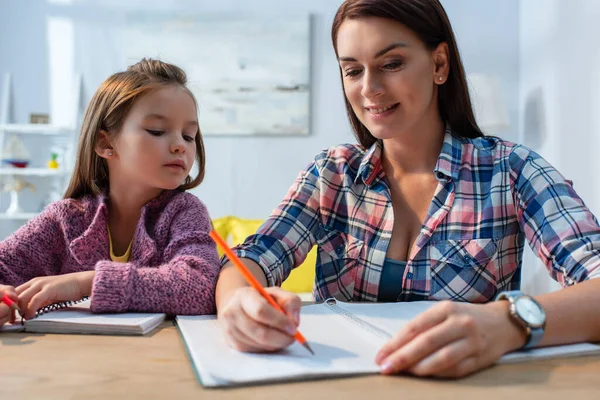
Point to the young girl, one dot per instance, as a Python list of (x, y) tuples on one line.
[(426, 207), (127, 234)]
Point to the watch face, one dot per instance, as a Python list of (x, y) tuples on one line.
[(530, 311)]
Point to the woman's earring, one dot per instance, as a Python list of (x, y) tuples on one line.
[(110, 153), (441, 78)]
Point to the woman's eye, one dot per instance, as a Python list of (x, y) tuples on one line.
[(393, 65), (352, 72), (154, 133)]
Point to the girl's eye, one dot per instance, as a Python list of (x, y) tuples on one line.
[(154, 133), (188, 138)]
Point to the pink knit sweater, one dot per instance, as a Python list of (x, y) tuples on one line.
[(173, 266)]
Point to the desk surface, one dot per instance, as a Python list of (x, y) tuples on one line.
[(157, 366)]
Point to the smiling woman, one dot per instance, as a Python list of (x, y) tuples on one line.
[(389, 86), (407, 52), (425, 207)]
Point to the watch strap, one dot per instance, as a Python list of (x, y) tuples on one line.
[(534, 337)]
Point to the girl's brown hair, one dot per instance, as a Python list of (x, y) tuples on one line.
[(430, 23), (107, 112)]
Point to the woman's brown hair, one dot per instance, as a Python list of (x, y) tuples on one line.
[(107, 112), (430, 23)]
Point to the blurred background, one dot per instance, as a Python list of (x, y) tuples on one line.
[(269, 90)]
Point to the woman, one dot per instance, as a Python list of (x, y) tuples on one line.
[(426, 207)]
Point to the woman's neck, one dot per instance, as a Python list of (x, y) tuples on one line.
[(413, 152)]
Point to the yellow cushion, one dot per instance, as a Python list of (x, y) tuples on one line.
[(221, 225), (301, 279)]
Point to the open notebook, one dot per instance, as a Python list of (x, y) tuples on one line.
[(344, 336), (77, 318)]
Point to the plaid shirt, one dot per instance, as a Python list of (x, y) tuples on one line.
[(491, 196)]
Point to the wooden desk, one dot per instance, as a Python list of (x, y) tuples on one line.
[(157, 366)]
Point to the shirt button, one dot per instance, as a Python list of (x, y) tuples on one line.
[(409, 275), (439, 175)]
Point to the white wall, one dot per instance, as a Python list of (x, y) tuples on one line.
[(246, 176), (559, 97)]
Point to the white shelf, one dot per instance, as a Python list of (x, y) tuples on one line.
[(35, 129), (19, 216), (32, 171)]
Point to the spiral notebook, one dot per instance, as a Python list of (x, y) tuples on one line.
[(344, 336), (76, 317)]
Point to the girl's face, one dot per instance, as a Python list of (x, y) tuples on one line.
[(156, 145), (389, 76)]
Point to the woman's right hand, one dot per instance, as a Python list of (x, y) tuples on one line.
[(251, 324), (6, 313)]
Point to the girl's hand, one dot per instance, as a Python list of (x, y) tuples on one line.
[(42, 291), (451, 340), (251, 324), (6, 313)]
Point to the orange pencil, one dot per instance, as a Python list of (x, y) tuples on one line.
[(253, 282)]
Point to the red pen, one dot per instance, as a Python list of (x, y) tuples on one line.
[(9, 302)]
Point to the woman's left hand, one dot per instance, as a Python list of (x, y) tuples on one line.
[(452, 340), (42, 291)]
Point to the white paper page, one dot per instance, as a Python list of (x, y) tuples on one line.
[(82, 317), (338, 351), (80, 314), (568, 350), (389, 317), (16, 327)]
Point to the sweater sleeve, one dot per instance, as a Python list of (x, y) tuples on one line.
[(35, 249), (183, 284)]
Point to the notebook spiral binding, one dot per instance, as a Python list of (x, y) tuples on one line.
[(55, 306), (58, 306), (332, 304)]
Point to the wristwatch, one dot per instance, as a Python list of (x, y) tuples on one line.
[(527, 313)]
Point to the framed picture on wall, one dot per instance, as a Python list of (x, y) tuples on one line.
[(250, 75)]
